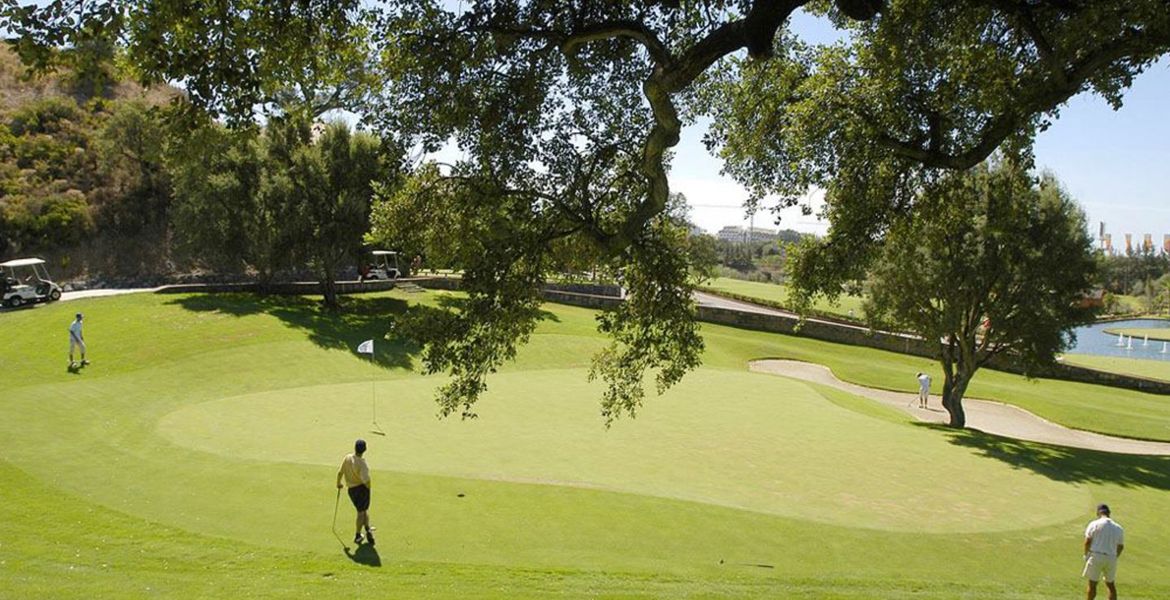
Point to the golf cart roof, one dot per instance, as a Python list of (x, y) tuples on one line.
[(22, 262), (383, 253)]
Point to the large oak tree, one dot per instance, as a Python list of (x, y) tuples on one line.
[(993, 264)]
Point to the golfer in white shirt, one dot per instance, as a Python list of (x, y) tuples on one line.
[(923, 389), (1104, 542), (76, 340)]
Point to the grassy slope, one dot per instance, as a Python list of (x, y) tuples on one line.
[(159, 513), (779, 293), (1095, 408), (1151, 369)]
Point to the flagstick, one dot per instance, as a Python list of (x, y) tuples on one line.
[(374, 400), (367, 347)]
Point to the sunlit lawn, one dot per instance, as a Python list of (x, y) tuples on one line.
[(195, 458)]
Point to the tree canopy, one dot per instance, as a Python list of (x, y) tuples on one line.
[(567, 112)]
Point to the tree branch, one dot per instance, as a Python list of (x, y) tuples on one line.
[(1047, 95), (634, 30)]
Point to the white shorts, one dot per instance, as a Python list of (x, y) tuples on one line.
[(76, 343), (1100, 564)]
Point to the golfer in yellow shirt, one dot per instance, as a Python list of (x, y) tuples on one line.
[(357, 478)]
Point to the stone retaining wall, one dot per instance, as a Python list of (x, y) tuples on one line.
[(596, 289), (291, 288), (559, 293)]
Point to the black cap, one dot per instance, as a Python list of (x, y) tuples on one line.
[(1103, 509), (359, 446), (78, 315)]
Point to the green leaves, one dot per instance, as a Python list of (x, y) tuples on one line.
[(989, 262), (276, 200), (654, 330)]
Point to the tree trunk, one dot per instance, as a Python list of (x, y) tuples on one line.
[(263, 281), (329, 289), (959, 366), (952, 400)]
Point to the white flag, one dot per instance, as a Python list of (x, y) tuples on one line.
[(366, 347)]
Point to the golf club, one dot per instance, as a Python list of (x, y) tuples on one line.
[(336, 502)]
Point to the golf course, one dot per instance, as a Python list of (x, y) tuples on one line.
[(196, 456)]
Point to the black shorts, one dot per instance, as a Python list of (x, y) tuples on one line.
[(360, 496)]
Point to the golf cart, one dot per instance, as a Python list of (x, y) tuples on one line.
[(24, 281), (383, 266)]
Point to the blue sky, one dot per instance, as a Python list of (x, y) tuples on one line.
[(1116, 164)]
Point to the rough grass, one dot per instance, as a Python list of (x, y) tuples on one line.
[(195, 458)]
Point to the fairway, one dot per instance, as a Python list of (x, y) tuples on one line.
[(196, 456), (1150, 369)]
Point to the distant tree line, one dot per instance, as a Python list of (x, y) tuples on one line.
[(1144, 275)]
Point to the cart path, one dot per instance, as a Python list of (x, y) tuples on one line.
[(103, 292), (990, 417)]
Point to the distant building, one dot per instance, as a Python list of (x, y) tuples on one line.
[(754, 235)]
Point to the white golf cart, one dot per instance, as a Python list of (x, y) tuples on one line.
[(384, 266), (25, 281)]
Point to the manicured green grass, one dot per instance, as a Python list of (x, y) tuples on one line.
[(1154, 333), (1150, 369), (779, 293), (195, 458)]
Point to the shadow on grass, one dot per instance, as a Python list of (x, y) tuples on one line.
[(364, 554), (360, 319), (1064, 464)]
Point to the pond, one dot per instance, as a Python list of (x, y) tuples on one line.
[(1092, 339)]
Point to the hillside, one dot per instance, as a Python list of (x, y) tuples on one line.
[(81, 177)]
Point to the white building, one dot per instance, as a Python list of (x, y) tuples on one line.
[(754, 235)]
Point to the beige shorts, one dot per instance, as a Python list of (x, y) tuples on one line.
[(76, 343), (1098, 565)]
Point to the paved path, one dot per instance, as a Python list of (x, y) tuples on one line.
[(990, 417), (712, 300), (80, 294)]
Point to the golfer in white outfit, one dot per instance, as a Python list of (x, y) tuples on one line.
[(1104, 542), (76, 340), (923, 389)]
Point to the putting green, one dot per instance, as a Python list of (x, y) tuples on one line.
[(703, 442)]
